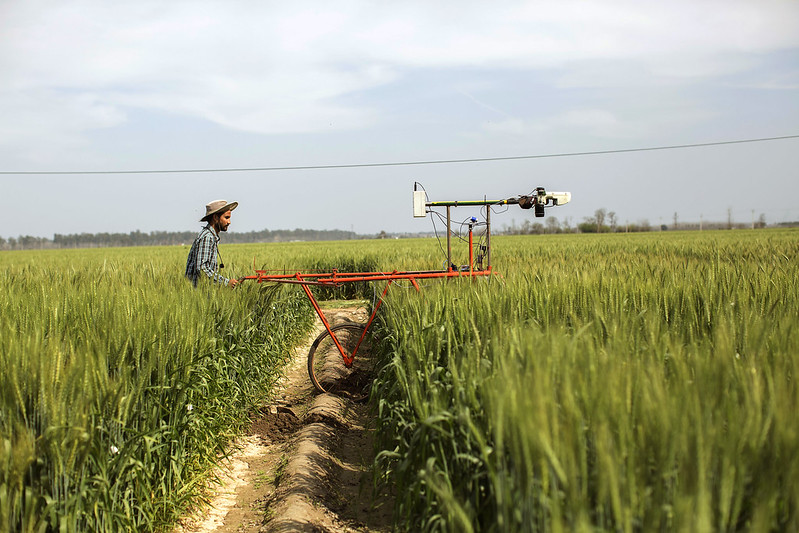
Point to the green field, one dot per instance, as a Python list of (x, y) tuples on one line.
[(601, 383), (121, 385), (611, 383)]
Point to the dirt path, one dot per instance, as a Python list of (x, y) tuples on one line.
[(305, 466)]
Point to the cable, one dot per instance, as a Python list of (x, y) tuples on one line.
[(394, 164), (435, 230), (468, 220), (415, 183)]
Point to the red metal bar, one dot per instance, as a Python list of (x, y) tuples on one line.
[(338, 278), (369, 322), (335, 278), (344, 278), (347, 357), (471, 251)]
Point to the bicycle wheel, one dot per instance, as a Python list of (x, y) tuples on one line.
[(326, 365)]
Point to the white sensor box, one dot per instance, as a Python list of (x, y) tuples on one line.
[(418, 204)]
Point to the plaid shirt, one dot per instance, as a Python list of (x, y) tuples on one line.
[(202, 257)]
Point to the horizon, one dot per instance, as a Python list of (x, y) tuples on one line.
[(504, 229)]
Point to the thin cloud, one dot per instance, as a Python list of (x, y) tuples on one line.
[(288, 68), (483, 104)]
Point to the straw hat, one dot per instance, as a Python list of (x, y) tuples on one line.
[(217, 206)]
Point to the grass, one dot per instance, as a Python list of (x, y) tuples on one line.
[(122, 385), (603, 382), (606, 383), (280, 470)]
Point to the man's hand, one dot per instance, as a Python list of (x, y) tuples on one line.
[(232, 283)]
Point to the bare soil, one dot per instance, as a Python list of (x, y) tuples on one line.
[(304, 466)]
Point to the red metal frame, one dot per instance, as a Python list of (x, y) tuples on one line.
[(336, 278)]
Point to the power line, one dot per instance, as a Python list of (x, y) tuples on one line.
[(397, 163)]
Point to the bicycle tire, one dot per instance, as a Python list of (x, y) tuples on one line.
[(326, 365)]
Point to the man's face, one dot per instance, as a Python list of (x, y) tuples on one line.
[(224, 221)]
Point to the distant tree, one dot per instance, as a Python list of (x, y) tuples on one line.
[(641, 225), (612, 220), (761, 221), (675, 220), (599, 216), (552, 225)]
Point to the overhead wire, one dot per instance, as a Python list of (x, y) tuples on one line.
[(396, 163)]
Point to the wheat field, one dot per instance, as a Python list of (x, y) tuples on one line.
[(597, 383)]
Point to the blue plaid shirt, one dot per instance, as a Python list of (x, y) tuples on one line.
[(202, 257)]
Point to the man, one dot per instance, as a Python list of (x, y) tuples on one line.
[(202, 256)]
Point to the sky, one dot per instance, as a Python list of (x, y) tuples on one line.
[(97, 86)]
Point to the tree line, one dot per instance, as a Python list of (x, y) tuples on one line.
[(604, 221), (168, 238)]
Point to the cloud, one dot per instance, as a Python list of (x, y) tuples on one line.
[(599, 123), (536, 35), (254, 73), (68, 67), (511, 126), (43, 126)]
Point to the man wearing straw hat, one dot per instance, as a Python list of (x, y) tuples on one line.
[(205, 250)]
